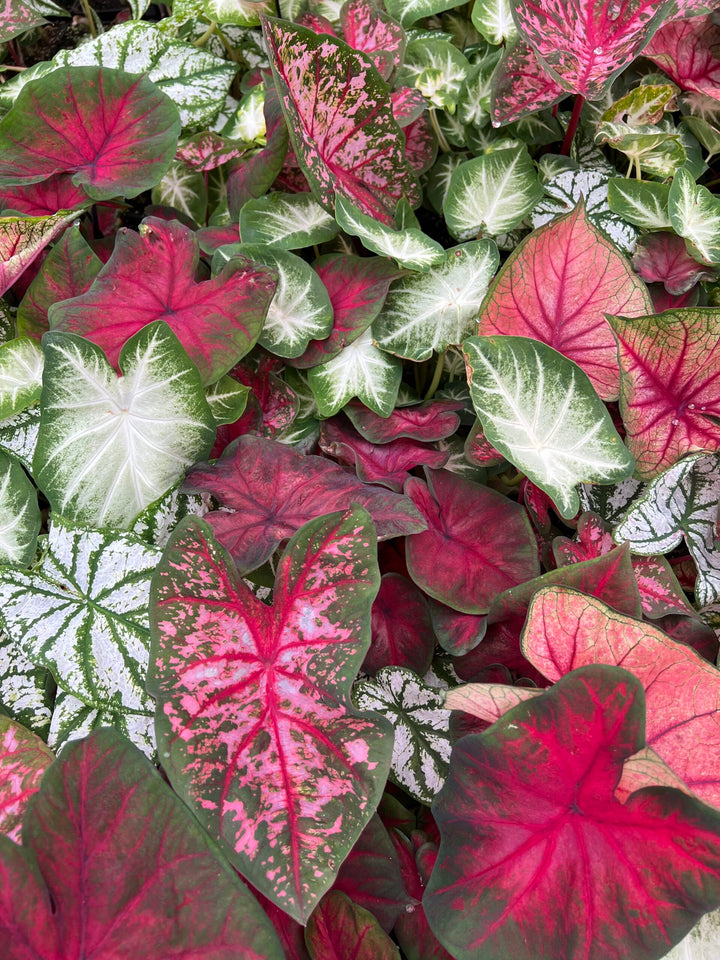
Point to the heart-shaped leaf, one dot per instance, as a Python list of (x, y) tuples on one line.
[(361, 370), (530, 803), (44, 198), (286, 221), (374, 33), (408, 12), (686, 50), (521, 85), (340, 120), (493, 19), (409, 246), (254, 722), (172, 895), (427, 422), (695, 215), (402, 634), (663, 257), (341, 930), (109, 446), (20, 518), (17, 18), (22, 239), (21, 367), (116, 132), (24, 758), (643, 203)]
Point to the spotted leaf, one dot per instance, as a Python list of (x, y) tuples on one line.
[(24, 758)]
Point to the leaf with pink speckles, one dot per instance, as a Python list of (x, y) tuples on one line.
[(374, 33), (254, 719), (22, 239), (687, 51), (521, 85), (341, 122), (24, 758)]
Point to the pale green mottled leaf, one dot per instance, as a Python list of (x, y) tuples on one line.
[(610, 501), (410, 248), (493, 19), (19, 514), (18, 434), (157, 522), (360, 370), (695, 215), (641, 202), (21, 366), (184, 189), (27, 692), (408, 12), (286, 221)]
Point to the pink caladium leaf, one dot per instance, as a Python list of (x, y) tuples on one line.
[(402, 633), (585, 44), (543, 291), (341, 930), (115, 132), (24, 758), (254, 722), (421, 146), (374, 33), (462, 559), (17, 18), (151, 276), (687, 51), (669, 398), (341, 123), (538, 857), (662, 300), (208, 150), (435, 420), (272, 490), (521, 85), (646, 769), (480, 451), (408, 104), (104, 821), (663, 258), (45, 198), (488, 701), (593, 539), (22, 240)]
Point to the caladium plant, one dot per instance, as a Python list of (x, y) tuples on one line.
[(359, 442)]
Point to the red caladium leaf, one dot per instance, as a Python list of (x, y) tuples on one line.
[(253, 177), (586, 43), (272, 490), (462, 559), (663, 257), (255, 723), (435, 420), (662, 300), (480, 451), (566, 629), (565, 868), (45, 198), (115, 132), (208, 150), (341, 930), (412, 930), (543, 292), (687, 51), (521, 85), (457, 633), (402, 633), (341, 122), (277, 402), (114, 866), (408, 104), (374, 33), (151, 276), (22, 240), (669, 398), (24, 758), (593, 540)]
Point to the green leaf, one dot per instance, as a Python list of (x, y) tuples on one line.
[(473, 104), (109, 446), (695, 215), (243, 13), (640, 202), (360, 370), (541, 412), (429, 311), (493, 193), (410, 247), (19, 514), (706, 133), (83, 615), (21, 366), (408, 12), (493, 19), (286, 221), (654, 151), (437, 69), (18, 435), (227, 399), (185, 190)]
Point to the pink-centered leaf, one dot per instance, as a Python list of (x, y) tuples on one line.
[(566, 630), (115, 132), (412, 930), (341, 122), (276, 400), (687, 51), (669, 397), (22, 239), (539, 859), (556, 287), (435, 420), (45, 198), (341, 930), (113, 866), (151, 276), (255, 723), (663, 258), (463, 558), (24, 758), (208, 150), (374, 33), (402, 633), (479, 450), (646, 769), (521, 85)]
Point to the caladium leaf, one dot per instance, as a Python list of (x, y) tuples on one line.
[(493, 193), (521, 84), (24, 758), (456, 633), (681, 502), (493, 20), (695, 215), (663, 258), (93, 805), (437, 69), (45, 198), (642, 202), (267, 491), (429, 311), (612, 500), (341, 930), (488, 701), (22, 239), (535, 793), (541, 412), (543, 292), (19, 514), (21, 367), (227, 399), (374, 33), (156, 522), (254, 721), (410, 247), (669, 403), (402, 634), (243, 13), (151, 276), (116, 132), (17, 18), (27, 692), (421, 725), (286, 221), (566, 630), (184, 190), (108, 446), (468, 528), (435, 420), (408, 12), (687, 51), (18, 435), (340, 120)]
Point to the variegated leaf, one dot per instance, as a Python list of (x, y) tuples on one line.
[(610, 501), (408, 12), (641, 202), (361, 370), (493, 19), (157, 522), (24, 758), (22, 239), (27, 692), (437, 69), (83, 615), (21, 367), (421, 723), (286, 221), (17, 18), (19, 514), (695, 215), (227, 399), (185, 190), (19, 434), (409, 247)]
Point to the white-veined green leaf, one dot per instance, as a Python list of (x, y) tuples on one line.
[(612, 500), (19, 434), (330, 9), (108, 446), (306, 404), (421, 748), (641, 202), (19, 514), (473, 104), (541, 412), (195, 80), (438, 182), (138, 7), (291, 9), (429, 311), (184, 189), (26, 691), (493, 193), (493, 19), (410, 248), (83, 615), (695, 215), (286, 221), (247, 122), (408, 12), (436, 68), (359, 370), (648, 148), (706, 133), (21, 366), (243, 13), (227, 399), (157, 522), (681, 502)]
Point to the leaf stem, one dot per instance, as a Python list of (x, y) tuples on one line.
[(434, 383), (444, 145), (201, 41), (573, 125), (90, 17)]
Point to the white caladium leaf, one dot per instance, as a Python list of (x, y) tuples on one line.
[(19, 434), (109, 446), (286, 221), (541, 412), (19, 514), (300, 310), (26, 691), (184, 189), (227, 399), (429, 311), (408, 12), (703, 941), (421, 749), (409, 248), (492, 193), (359, 370), (681, 503), (83, 615), (243, 13), (474, 97), (157, 522), (21, 367), (437, 69), (195, 80), (695, 215), (493, 19), (610, 501), (641, 202)]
